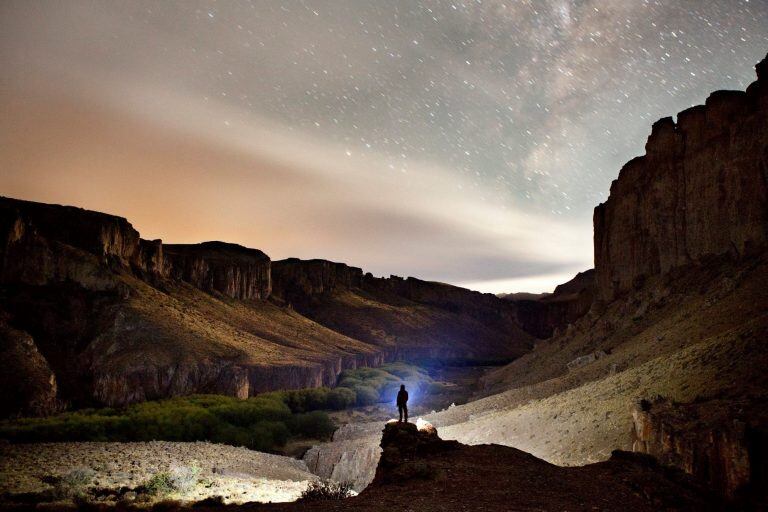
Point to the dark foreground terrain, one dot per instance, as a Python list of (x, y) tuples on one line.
[(419, 471)]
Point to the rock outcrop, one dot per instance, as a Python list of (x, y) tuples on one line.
[(545, 315), (27, 380), (722, 443), (700, 190), (300, 280), (218, 267), (420, 471)]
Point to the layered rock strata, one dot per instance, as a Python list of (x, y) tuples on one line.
[(700, 190), (119, 319)]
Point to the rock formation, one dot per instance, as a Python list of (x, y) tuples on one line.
[(420, 471), (544, 315), (119, 319), (723, 443), (27, 378), (405, 318), (299, 280), (229, 269), (700, 190)]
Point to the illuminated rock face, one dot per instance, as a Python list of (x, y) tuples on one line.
[(700, 190), (721, 443)]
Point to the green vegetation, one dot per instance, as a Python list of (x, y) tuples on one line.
[(265, 422), (160, 484), (373, 385)]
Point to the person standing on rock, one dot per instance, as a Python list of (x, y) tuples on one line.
[(402, 403)]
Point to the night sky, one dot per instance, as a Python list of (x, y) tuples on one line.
[(465, 142)]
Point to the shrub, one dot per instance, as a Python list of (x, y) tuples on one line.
[(183, 478), (320, 491), (71, 484), (341, 398), (314, 424), (161, 484), (366, 395)]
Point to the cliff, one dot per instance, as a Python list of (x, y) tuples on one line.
[(218, 267), (700, 190), (548, 314), (724, 443), (300, 280), (405, 318), (118, 319), (28, 374)]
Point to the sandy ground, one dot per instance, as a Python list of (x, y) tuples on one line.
[(236, 474)]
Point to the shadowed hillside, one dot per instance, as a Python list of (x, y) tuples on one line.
[(115, 319)]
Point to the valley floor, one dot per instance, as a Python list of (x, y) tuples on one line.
[(59, 471)]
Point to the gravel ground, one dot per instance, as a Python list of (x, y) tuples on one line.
[(236, 474)]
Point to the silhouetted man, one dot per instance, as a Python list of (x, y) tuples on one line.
[(402, 403)]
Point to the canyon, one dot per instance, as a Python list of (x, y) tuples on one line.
[(105, 317), (661, 349)]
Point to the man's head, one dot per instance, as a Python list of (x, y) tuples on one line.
[(402, 387)]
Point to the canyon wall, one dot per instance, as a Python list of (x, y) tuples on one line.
[(26, 375), (721, 442), (700, 190), (119, 319), (229, 269), (549, 314), (298, 280)]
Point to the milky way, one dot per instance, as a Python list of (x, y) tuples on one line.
[(465, 142)]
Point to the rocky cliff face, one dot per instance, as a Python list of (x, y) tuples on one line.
[(300, 280), (27, 226), (218, 267), (722, 443), (405, 318), (700, 190), (549, 314), (27, 373)]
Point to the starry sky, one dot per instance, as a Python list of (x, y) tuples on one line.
[(464, 142)]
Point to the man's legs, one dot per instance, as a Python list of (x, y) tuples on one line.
[(400, 410), (405, 409)]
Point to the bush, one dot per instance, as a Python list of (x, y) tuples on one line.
[(341, 398), (373, 385), (161, 484), (321, 491), (366, 395), (183, 478), (314, 424), (71, 484), (264, 422)]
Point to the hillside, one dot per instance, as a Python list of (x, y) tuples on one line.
[(95, 315)]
